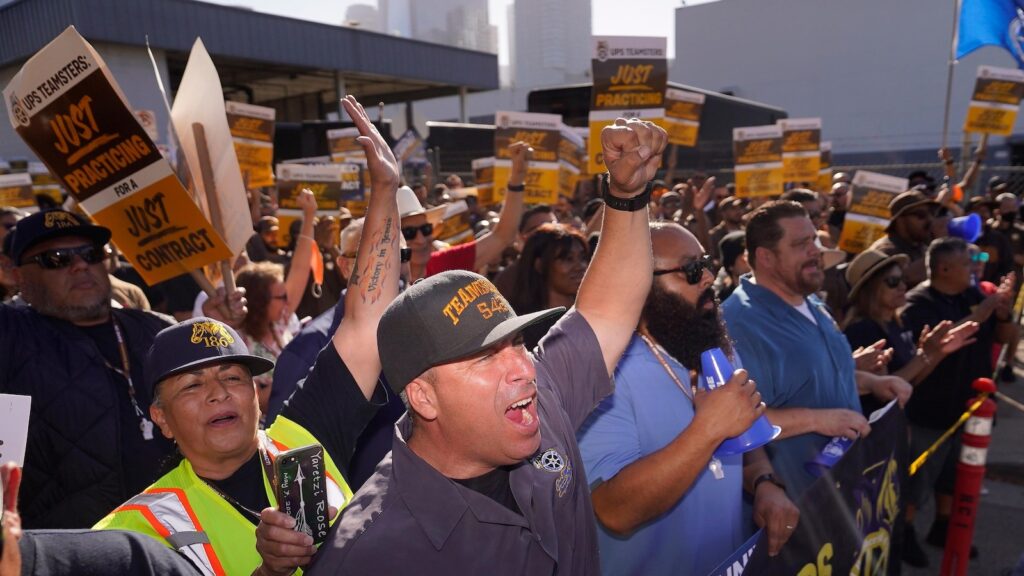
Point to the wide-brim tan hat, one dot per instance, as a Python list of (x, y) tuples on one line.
[(907, 201), (409, 205), (867, 264)]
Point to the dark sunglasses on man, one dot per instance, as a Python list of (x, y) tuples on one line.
[(693, 270), (64, 257), (410, 231)]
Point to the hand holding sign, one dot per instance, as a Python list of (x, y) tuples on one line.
[(521, 153), (10, 480), (632, 152), (307, 203), (380, 160)]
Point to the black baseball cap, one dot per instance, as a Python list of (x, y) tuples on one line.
[(49, 224), (446, 317), (197, 343)]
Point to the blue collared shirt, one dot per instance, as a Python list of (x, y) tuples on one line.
[(795, 363), (647, 412)]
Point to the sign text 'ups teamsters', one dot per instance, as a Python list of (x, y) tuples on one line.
[(67, 107)]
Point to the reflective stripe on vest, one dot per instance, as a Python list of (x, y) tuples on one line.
[(169, 513)]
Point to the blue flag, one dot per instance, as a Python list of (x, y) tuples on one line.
[(991, 23)]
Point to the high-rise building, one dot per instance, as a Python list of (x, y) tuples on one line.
[(461, 23), (550, 42)]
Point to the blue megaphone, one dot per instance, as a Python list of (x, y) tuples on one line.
[(715, 370), (965, 227)]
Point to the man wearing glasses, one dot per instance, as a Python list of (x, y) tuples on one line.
[(773, 317), (93, 445), (419, 227), (648, 447), (909, 232)]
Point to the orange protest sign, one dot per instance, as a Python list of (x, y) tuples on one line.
[(66, 106), (996, 99), (801, 149)]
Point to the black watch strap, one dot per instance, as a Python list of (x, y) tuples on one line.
[(638, 202), (516, 187), (769, 477)]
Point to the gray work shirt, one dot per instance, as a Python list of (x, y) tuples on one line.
[(408, 518)]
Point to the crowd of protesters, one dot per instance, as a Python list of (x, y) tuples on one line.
[(463, 394)]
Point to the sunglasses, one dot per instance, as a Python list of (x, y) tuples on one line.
[(64, 257), (979, 257), (921, 214), (405, 254), (893, 281), (693, 270), (410, 231)]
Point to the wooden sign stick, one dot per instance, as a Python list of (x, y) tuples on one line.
[(206, 170)]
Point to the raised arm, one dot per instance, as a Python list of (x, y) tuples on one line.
[(490, 246), (302, 260), (374, 281), (620, 274)]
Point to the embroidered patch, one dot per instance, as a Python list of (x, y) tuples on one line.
[(549, 460), (564, 480)]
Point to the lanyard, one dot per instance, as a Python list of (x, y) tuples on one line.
[(145, 426), (687, 390)]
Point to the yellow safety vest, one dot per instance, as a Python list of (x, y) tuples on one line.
[(183, 512)]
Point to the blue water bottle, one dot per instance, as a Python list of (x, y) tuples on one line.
[(715, 371)]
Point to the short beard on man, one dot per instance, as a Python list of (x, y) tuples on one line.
[(38, 295), (685, 330)]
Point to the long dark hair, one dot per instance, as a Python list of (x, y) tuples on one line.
[(548, 243)]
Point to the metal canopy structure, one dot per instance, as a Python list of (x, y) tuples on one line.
[(263, 59)]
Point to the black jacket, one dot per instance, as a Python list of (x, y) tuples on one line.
[(74, 470)]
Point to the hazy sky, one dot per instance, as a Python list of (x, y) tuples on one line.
[(609, 17)]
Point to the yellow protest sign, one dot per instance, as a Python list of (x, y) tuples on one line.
[(483, 175), (66, 106), (16, 191), (682, 116), (757, 153), (454, 227), (343, 146), (801, 155), (333, 186), (825, 169), (996, 99), (571, 156), (543, 133), (630, 74), (868, 215), (252, 131)]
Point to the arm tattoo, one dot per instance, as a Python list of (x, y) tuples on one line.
[(379, 267)]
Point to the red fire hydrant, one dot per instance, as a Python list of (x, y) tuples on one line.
[(970, 471)]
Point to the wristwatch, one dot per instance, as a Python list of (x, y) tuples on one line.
[(769, 477), (633, 204), (516, 187)]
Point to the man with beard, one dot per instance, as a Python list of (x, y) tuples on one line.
[(648, 447), (93, 445), (774, 316)]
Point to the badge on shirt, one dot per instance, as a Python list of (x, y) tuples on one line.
[(551, 461)]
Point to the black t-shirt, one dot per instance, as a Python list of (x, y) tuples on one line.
[(495, 486), (139, 457), (330, 405), (939, 399), (866, 332)]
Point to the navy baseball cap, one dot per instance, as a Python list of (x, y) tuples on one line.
[(50, 224), (197, 343), (447, 317)]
